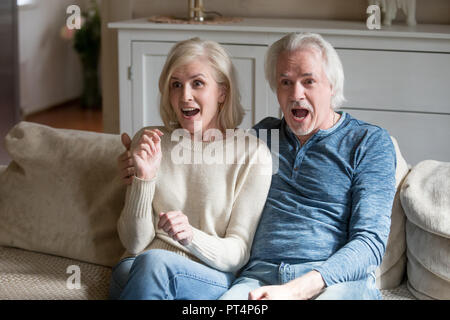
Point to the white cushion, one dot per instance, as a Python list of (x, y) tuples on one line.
[(431, 250), (424, 284), (428, 262), (61, 194), (425, 196)]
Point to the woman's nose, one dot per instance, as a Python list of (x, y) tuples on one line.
[(187, 93)]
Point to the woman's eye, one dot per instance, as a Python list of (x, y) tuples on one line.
[(176, 84), (309, 81), (285, 82)]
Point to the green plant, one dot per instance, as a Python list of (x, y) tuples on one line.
[(87, 42)]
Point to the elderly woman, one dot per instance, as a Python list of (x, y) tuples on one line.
[(188, 222)]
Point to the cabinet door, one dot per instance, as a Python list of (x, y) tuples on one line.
[(148, 59)]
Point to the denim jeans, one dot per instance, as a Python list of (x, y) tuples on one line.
[(258, 274), (164, 275)]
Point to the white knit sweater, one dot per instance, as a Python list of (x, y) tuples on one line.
[(223, 201)]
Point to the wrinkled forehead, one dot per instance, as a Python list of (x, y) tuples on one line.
[(304, 61)]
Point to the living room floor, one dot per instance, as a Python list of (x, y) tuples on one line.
[(70, 115)]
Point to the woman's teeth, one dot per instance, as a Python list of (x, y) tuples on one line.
[(190, 111)]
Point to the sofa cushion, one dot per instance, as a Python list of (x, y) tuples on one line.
[(431, 250), (391, 271), (398, 293), (30, 275), (394, 275), (61, 193), (425, 196), (428, 263), (27, 275), (423, 283)]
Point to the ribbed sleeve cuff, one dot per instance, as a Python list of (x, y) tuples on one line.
[(203, 246), (140, 197)]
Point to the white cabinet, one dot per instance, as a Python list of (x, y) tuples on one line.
[(397, 77), (397, 80)]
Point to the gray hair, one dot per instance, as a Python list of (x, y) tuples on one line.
[(297, 41)]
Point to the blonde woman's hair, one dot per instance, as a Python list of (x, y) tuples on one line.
[(331, 62), (231, 111)]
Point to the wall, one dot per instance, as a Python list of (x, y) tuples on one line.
[(50, 72), (9, 84), (111, 10), (427, 11)]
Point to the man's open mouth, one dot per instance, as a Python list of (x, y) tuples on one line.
[(299, 113), (190, 112)]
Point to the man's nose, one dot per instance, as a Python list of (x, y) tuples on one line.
[(298, 91)]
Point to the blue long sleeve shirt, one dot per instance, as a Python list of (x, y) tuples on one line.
[(330, 199)]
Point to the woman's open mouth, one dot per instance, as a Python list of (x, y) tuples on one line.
[(299, 114), (190, 112)]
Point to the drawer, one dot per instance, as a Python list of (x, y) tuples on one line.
[(394, 80)]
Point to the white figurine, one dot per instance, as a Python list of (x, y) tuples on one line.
[(389, 8)]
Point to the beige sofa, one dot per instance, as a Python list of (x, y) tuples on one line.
[(60, 199)]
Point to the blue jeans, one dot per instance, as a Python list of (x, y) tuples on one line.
[(164, 275), (258, 274)]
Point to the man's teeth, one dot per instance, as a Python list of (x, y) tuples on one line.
[(300, 113)]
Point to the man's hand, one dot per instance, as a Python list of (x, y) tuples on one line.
[(176, 225), (125, 161), (146, 154), (302, 288)]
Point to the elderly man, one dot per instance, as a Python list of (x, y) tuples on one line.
[(326, 221)]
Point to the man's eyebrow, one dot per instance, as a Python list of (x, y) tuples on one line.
[(194, 76), (307, 74)]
